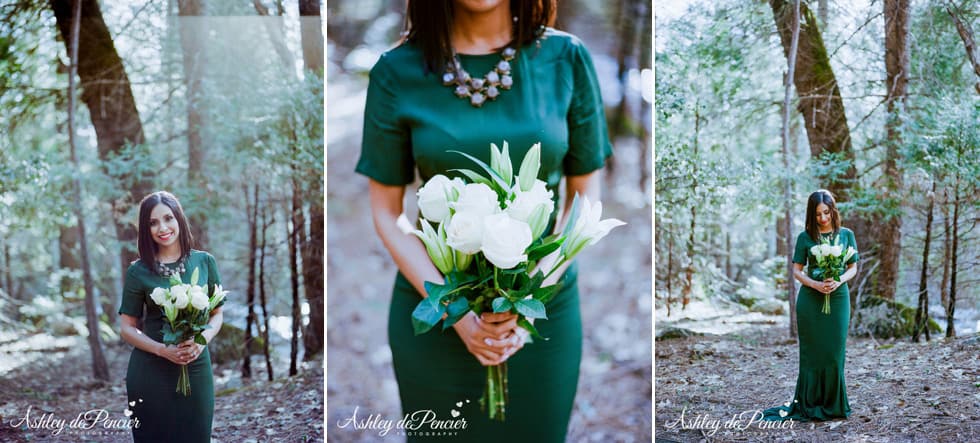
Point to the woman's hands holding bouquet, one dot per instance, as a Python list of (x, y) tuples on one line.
[(183, 353), (492, 337)]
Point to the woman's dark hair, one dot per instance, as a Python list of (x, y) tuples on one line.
[(428, 23), (147, 247), (821, 196)]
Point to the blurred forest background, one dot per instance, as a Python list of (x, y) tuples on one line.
[(220, 103), (882, 108), (613, 402)]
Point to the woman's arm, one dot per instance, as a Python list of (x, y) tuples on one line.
[(806, 280), (130, 331), (588, 185), (484, 339)]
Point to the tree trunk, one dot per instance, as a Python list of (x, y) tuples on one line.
[(670, 271), (689, 268), (889, 227), (966, 34), (100, 368), (293, 231), (947, 250), (107, 94), (791, 58), (311, 35), (262, 299), (313, 280), (8, 280), (251, 209), (922, 311), (312, 245), (193, 35), (646, 61), (951, 306), (68, 254), (821, 107)]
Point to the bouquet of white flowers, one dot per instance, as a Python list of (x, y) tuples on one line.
[(489, 246), (831, 260), (187, 308)]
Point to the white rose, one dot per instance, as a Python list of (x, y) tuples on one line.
[(477, 199), (199, 300), (465, 232), (505, 240), (837, 250), (159, 296), (179, 295), (526, 201), (435, 196)]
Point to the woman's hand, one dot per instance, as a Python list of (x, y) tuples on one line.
[(188, 351), (173, 354), (487, 339), (827, 286)]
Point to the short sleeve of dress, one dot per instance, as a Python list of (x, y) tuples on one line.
[(852, 243), (588, 136), (134, 296), (800, 252), (386, 153), (214, 278)]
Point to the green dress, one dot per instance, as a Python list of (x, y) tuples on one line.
[(821, 393), (165, 415), (410, 121)]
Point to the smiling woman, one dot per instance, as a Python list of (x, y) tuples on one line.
[(164, 244)]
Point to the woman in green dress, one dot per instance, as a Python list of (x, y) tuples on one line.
[(159, 412), (467, 74), (821, 393)]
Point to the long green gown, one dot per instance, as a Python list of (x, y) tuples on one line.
[(821, 393), (166, 415), (410, 121)]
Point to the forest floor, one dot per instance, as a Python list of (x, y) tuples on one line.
[(898, 390), (614, 390), (53, 379)]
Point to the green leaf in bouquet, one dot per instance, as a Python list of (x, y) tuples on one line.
[(171, 337), (199, 339), (175, 280), (436, 292), (196, 277), (495, 158), (497, 179), (538, 252), (426, 315), (501, 304), (524, 323), (545, 294), (531, 308), (473, 176), (456, 310)]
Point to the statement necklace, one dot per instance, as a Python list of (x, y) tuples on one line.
[(479, 90), (165, 271)]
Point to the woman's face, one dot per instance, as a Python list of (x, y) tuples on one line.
[(478, 6), (823, 216), (163, 226)]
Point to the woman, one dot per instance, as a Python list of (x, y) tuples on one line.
[(467, 74), (820, 390), (164, 415)]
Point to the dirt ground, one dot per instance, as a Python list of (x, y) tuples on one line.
[(614, 391), (57, 381), (898, 390)]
